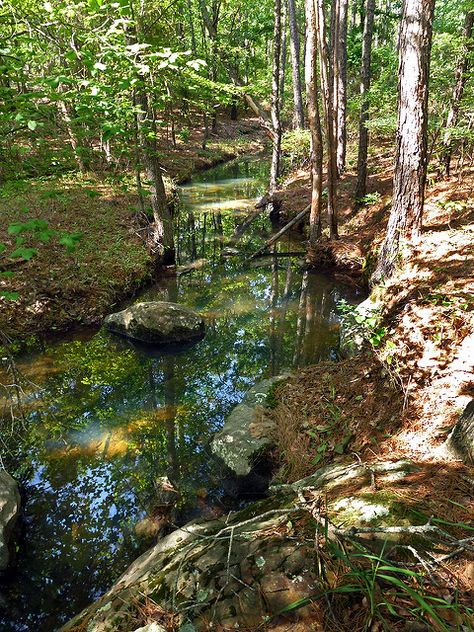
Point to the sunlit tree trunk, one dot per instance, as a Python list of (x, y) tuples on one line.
[(162, 241), (361, 187), (411, 158), (276, 121), (66, 118), (339, 66), (329, 117), (461, 77), (314, 120), (298, 112)]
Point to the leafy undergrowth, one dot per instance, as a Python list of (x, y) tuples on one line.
[(57, 289)]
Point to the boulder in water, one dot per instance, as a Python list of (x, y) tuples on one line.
[(9, 510), (157, 322)]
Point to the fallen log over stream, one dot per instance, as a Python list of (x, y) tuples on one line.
[(281, 232)]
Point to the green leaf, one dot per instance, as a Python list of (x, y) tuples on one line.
[(32, 125), (7, 274), (70, 241), (23, 253), (10, 296)]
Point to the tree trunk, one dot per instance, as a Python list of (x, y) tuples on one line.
[(276, 122), (283, 54), (298, 113), (411, 157), (329, 117), (314, 120), (66, 117), (163, 222), (461, 439), (339, 64), (361, 187), (461, 78)]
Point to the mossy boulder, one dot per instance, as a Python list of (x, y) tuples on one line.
[(157, 322)]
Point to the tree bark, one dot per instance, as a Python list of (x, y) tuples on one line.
[(329, 117), (361, 187), (461, 439), (275, 113), (314, 120), (461, 77), (411, 157), (298, 112), (162, 240), (339, 64)]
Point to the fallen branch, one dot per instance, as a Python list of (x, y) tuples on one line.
[(281, 232)]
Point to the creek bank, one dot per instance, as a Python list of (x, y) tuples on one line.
[(240, 571), (157, 322), (10, 503), (59, 291)]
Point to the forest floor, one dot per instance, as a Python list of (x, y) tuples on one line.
[(57, 289), (401, 397)]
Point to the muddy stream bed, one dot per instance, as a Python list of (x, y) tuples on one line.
[(104, 419)]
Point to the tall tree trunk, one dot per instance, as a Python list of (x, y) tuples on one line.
[(283, 54), (329, 117), (339, 65), (314, 120), (298, 112), (411, 158), (361, 187), (461, 78), (276, 122), (66, 117), (162, 241)]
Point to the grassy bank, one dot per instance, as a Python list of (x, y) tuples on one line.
[(58, 289)]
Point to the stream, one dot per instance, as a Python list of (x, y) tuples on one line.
[(106, 418)]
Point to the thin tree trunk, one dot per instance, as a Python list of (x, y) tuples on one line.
[(314, 120), (339, 64), (461, 78), (411, 158), (283, 54), (298, 112), (329, 117), (361, 186), (276, 122), (163, 221), (66, 117)]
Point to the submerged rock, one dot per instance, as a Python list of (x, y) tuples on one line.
[(246, 432), (157, 322), (9, 510)]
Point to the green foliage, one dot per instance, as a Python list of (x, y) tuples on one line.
[(369, 199), (367, 325), (296, 147)]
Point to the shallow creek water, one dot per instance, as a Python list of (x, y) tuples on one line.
[(105, 418)]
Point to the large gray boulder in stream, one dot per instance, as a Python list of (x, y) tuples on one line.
[(157, 322), (9, 510), (234, 572)]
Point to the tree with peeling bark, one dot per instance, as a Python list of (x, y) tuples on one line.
[(411, 157), (276, 101), (339, 10), (329, 116), (314, 120), (461, 77), (361, 186), (298, 111)]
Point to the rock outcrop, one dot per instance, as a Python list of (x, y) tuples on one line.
[(237, 570), (246, 432), (157, 322), (9, 509)]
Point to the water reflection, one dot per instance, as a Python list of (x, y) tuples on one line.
[(109, 417)]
